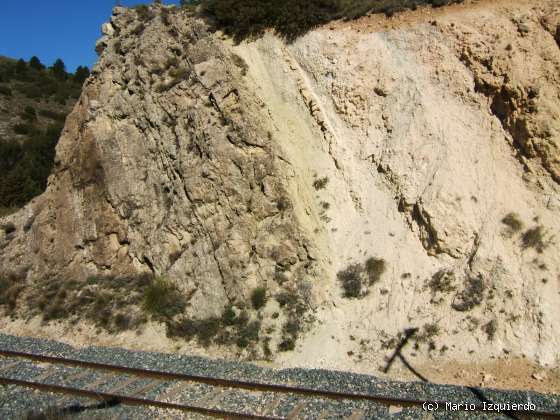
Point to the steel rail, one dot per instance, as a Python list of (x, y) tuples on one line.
[(261, 387), (131, 400)]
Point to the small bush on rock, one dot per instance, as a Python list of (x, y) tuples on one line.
[(321, 183), (513, 223), (162, 299), (375, 268), (258, 297), (357, 278), (144, 12), (534, 238), (351, 279)]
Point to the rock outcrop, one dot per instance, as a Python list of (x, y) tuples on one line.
[(431, 145), (164, 168)]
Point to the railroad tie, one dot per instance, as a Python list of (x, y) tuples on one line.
[(296, 411), (9, 366), (119, 387), (271, 406), (356, 415), (323, 415), (101, 380), (174, 391), (212, 398), (394, 409), (153, 384), (67, 399), (45, 374), (79, 375)]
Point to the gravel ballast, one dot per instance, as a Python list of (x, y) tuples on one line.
[(18, 400)]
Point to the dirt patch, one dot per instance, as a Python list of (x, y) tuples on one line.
[(501, 374)]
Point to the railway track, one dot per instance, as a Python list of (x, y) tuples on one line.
[(113, 384)]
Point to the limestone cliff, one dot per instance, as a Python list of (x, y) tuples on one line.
[(416, 157)]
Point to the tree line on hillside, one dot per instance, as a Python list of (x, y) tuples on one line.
[(26, 158), (34, 80), (25, 167)]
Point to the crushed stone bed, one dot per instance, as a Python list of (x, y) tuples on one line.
[(16, 401)]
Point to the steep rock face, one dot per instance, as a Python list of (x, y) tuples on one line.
[(429, 142), (163, 167), (423, 174)]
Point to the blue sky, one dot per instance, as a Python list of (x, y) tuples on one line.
[(51, 29)]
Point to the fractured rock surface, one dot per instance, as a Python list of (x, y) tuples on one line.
[(431, 144)]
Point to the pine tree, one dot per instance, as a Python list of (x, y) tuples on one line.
[(21, 67), (36, 64), (59, 69), (81, 74)]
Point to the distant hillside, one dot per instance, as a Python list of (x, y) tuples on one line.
[(34, 102)]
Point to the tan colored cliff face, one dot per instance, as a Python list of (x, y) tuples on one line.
[(430, 129), (163, 167)]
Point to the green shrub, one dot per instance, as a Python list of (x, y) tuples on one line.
[(123, 322), (165, 16), (179, 74), (189, 3), (171, 62), (162, 299), (321, 183), (228, 317), (5, 90), (10, 153), (442, 281), (138, 29), (287, 344), (283, 204), (240, 63), (53, 115), (248, 334), (31, 91), (351, 279), (290, 333), (375, 267), (292, 18), (23, 128), (8, 227), (144, 13), (286, 299), (512, 221), (29, 114), (279, 275), (490, 329), (10, 290), (204, 330), (470, 296), (534, 238), (258, 297)]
